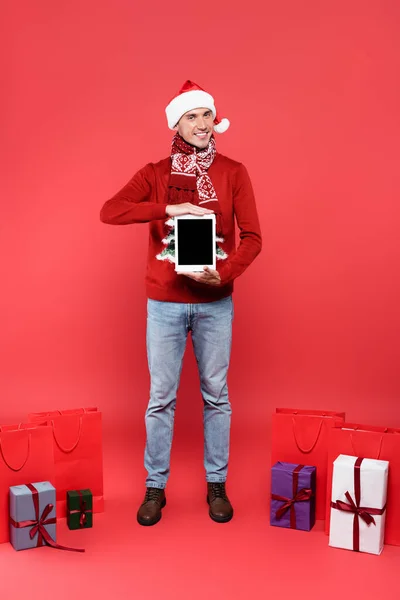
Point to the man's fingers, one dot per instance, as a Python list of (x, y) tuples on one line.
[(173, 210), (199, 211), (203, 277), (196, 276)]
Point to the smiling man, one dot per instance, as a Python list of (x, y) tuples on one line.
[(195, 179)]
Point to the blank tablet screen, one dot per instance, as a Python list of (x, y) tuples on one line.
[(195, 241)]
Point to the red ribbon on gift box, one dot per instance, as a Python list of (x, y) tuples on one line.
[(38, 525), (82, 510), (298, 496), (354, 507)]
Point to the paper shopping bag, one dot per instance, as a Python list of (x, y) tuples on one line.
[(26, 454), (301, 437), (78, 453), (378, 443)]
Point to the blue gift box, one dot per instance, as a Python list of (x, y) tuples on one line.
[(32, 515)]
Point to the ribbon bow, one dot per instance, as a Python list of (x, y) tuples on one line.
[(37, 527), (302, 496), (363, 512), (38, 524), (82, 517)]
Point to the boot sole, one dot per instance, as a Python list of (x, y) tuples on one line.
[(146, 523), (218, 519)]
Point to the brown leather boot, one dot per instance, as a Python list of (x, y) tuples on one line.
[(149, 512), (221, 509)]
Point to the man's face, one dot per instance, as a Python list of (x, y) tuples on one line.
[(196, 127)]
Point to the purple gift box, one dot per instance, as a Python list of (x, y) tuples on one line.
[(293, 496), (32, 515)]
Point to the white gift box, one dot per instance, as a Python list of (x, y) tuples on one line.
[(373, 475)]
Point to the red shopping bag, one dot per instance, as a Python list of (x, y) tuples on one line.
[(26, 456), (301, 437), (368, 441), (78, 453)]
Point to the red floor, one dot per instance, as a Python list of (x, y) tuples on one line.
[(188, 556)]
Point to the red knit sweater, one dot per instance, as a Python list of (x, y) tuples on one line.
[(144, 199)]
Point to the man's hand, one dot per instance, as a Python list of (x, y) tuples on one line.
[(208, 276), (175, 210)]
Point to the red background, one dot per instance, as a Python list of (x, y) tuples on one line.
[(312, 92)]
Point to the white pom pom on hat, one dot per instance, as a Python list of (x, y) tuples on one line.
[(221, 126), (192, 96)]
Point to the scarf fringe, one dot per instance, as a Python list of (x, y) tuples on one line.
[(180, 196)]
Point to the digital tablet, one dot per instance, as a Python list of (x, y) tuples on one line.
[(195, 243)]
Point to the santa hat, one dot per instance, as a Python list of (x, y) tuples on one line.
[(192, 96)]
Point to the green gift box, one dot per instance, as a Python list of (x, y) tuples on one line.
[(79, 509)]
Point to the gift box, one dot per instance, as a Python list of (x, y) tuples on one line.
[(358, 505), (32, 515), (293, 496), (79, 509)]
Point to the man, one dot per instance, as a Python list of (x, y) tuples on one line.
[(194, 180)]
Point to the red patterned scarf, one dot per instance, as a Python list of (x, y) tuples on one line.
[(189, 180)]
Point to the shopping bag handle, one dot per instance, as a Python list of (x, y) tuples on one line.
[(72, 448), (357, 454), (85, 411), (306, 450), (62, 413), (19, 428), (16, 469)]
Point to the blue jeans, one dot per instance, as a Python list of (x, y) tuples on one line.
[(168, 325)]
